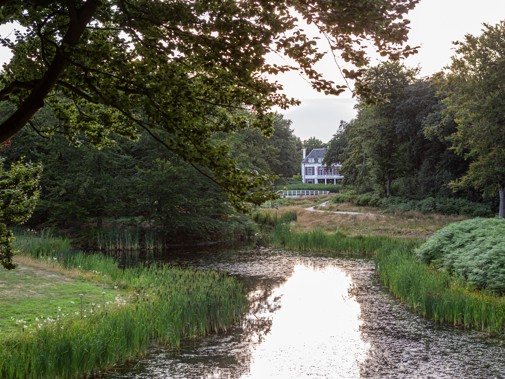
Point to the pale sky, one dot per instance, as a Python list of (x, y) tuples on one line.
[(435, 24)]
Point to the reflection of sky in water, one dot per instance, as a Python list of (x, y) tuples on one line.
[(315, 331), (304, 323)]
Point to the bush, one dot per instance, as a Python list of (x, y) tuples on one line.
[(344, 197), (443, 205), (368, 200), (472, 249)]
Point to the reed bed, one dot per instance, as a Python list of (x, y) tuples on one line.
[(271, 218), (333, 244), (166, 305), (128, 245), (435, 294)]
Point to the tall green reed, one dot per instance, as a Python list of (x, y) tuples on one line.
[(436, 295), (333, 244)]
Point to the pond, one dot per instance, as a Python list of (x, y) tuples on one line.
[(319, 318)]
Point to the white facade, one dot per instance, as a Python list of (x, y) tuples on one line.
[(314, 171)]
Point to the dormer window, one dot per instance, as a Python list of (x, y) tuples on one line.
[(311, 160)]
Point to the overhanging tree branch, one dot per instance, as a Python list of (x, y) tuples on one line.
[(35, 100)]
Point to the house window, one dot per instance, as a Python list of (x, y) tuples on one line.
[(321, 171), (309, 170)]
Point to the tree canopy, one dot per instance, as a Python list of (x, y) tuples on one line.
[(377, 137), (473, 93), (399, 146), (179, 69)]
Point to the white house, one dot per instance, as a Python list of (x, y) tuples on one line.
[(314, 171)]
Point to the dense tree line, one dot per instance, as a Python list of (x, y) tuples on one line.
[(390, 147), (142, 184), (438, 136)]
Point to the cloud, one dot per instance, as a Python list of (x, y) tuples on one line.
[(320, 117)]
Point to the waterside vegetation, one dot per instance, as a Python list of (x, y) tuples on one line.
[(444, 295), (153, 305)]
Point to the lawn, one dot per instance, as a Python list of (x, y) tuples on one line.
[(37, 292)]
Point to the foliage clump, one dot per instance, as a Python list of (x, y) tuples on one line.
[(273, 219), (442, 205), (472, 249)]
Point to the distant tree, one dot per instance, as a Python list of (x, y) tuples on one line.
[(276, 155), (337, 145), (474, 94), (313, 143), (379, 138), (288, 148)]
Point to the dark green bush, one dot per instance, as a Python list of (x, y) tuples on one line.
[(443, 205), (368, 200), (472, 249)]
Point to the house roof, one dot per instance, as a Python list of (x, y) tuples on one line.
[(316, 154)]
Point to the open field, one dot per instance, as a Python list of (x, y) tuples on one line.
[(370, 221)]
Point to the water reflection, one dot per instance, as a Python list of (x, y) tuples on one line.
[(304, 323), (314, 332), (320, 318)]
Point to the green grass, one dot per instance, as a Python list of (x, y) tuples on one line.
[(164, 305), (437, 295), (271, 219), (334, 244), (31, 295)]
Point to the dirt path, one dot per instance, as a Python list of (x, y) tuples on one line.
[(312, 209)]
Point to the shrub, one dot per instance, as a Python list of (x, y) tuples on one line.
[(344, 197), (368, 200), (444, 205), (472, 249)]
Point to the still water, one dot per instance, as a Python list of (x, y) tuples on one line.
[(319, 318)]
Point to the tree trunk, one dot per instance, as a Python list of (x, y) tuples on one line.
[(501, 208), (388, 187)]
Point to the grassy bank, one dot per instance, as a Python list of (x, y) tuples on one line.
[(429, 205), (426, 290), (159, 305), (435, 294), (334, 244)]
